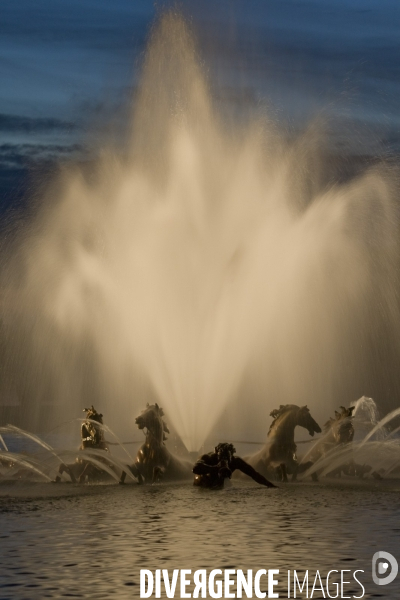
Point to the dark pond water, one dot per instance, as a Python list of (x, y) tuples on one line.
[(60, 540)]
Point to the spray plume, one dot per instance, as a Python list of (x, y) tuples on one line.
[(200, 254)]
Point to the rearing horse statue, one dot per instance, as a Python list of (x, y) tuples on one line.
[(279, 453), (154, 461), (339, 435)]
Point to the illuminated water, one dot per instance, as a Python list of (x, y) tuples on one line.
[(200, 262), (90, 542)]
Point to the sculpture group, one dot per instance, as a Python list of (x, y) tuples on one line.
[(92, 436), (275, 461)]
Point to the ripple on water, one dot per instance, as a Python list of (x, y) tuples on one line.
[(113, 532)]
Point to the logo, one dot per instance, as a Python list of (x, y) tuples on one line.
[(381, 561)]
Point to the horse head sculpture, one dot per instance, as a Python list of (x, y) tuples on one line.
[(288, 416), (154, 461), (304, 419), (280, 452), (339, 432), (151, 419), (341, 426)]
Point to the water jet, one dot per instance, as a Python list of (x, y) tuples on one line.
[(201, 264)]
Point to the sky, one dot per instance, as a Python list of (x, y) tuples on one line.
[(67, 66), (69, 70)]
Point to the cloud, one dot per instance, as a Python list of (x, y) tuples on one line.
[(22, 124), (20, 155)]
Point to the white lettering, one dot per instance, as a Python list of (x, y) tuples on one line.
[(320, 588), (158, 584), (221, 583), (343, 582), (184, 583), (245, 584), (257, 578), (229, 583), (335, 584), (272, 582), (359, 583), (200, 579), (218, 584), (170, 588), (146, 574), (305, 581)]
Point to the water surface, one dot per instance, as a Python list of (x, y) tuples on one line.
[(91, 541)]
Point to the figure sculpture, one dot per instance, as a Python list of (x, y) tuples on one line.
[(212, 469), (92, 436)]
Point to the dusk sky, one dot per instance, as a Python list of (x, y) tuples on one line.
[(67, 65)]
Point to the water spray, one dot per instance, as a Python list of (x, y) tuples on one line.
[(202, 264)]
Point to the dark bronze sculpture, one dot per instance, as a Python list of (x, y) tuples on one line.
[(341, 427), (92, 436), (279, 454), (154, 462), (213, 468), (339, 433)]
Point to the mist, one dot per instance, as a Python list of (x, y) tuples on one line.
[(206, 263)]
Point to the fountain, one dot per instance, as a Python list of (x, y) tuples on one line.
[(217, 269), (205, 264), (370, 449)]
